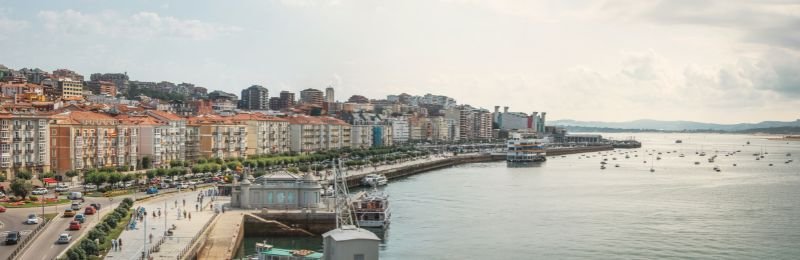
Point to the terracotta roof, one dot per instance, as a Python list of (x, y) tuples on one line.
[(255, 116), (167, 115), (138, 120), (83, 117), (315, 120)]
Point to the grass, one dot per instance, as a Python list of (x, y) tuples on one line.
[(114, 233), (49, 216), (34, 204)]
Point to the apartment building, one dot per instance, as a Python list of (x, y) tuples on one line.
[(311, 133), (23, 143), (88, 140), (266, 134), (69, 88), (361, 136), (216, 136), (172, 135)]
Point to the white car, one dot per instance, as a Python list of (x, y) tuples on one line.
[(90, 187), (32, 219), (64, 238), (39, 191), (2, 194), (62, 188)]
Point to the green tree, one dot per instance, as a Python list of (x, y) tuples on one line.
[(90, 247), (146, 162), (21, 188), (25, 175)]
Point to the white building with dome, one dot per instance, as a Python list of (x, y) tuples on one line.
[(281, 190)]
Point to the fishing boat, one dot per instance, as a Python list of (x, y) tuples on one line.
[(265, 251), (374, 180), (371, 209), (524, 148)]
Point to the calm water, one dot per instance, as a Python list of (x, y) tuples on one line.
[(569, 208)]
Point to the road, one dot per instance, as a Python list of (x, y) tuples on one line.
[(45, 246)]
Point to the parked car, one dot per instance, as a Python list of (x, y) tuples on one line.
[(62, 187), (74, 225), (32, 219), (2, 209), (75, 206), (89, 186), (12, 238), (80, 218), (2, 194), (69, 213), (39, 191), (64, 238), (89, 210)]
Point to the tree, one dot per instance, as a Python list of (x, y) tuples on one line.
[(146, 162), (46, 175), (113, 177), (25, 175), (89, 246), (151, 174), (21, 188), (71, 173)]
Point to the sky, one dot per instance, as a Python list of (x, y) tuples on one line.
[(713, 61)]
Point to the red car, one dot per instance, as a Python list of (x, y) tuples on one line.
[(89, 210), (74, 225), (2, 209)]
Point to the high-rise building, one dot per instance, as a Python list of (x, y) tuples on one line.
[(69, 88), (254, 98), (286, 100), (329, 97), (311, 96), (102, 88), (275, 103)]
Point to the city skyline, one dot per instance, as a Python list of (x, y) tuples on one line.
[(598, 61)]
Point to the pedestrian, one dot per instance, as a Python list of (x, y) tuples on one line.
[(196, 207), (176, 203), (210, 206), (184, 214), (159, 213), (184, 202), (154, 214), (223, 209), (151, 237), (113, 245), (119, 243), (190, 216)]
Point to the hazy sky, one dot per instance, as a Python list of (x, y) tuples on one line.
[(715, 61)]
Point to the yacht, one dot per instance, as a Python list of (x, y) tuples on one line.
[(371, 209), (374, 180), (524, 148)]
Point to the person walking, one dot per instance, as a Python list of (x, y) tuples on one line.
[(196, 207), (190, 216), (184, 214), (113, 245), (184, 202), (151, 238), (119, 243)]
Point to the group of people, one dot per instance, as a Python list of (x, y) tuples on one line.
[(116, 244)]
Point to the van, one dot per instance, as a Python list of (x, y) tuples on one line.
[(75, 195)]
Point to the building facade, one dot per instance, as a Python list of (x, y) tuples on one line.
[(254, 98), (311, 96)]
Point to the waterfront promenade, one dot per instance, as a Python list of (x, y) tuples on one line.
[(161, 246)]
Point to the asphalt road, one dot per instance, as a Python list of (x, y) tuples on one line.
[(45, 246)]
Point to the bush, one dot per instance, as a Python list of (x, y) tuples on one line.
[(90, 247), (97, 233), (33, 198), (128, 201), (111, 222)]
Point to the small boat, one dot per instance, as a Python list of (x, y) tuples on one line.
[(616, 165), (627, 156), (702, 153), (681, 155), (678, 141), (615, 158), (734, 164), (602, 162), (658, 158), (696, 163), (652, 170), (602, 167), (266, 252), (374, 180), (788, 154), (717, 169), (770, 164), (748, 142)]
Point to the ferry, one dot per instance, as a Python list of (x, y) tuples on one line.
[(375, 180), (371, 209), (525, 149), (268, 252)]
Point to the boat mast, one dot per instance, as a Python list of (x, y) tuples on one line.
[(344, 214)]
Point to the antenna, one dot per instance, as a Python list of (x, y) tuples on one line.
[(344, 214)]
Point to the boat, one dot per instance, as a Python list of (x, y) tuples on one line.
[(717, 169), (681, 155), (702, 153), (265, 251), (374, 180), (678, 141), (616, 165), (788, 154), (371, 209), (696, 163), (602, 167), (523, 148)]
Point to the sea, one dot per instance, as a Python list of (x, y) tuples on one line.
[(570, 208)]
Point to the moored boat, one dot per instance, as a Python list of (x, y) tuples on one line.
[(371, 209), (524, 148), (375, 180)]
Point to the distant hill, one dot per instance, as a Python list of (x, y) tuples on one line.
[(782, 130), (649, 124)]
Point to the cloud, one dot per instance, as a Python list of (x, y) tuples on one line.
[(139, 25), (773, 23), (9, 26)]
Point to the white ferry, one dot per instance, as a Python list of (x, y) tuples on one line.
[(522, 148), (371, 209)]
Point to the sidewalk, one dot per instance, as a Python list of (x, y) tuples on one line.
[(133, 241)]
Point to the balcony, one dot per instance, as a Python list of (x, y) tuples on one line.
[(28, 139), (17, 139), (18, 164)]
